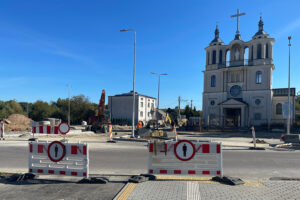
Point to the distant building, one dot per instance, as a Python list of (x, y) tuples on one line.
[(238, 83), (120, 107)]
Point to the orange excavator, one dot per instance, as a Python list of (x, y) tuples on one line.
[(99, 123)]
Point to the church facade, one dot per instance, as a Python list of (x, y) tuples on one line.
[(238, 83)]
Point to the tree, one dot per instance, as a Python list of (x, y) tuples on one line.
[(40, 111)]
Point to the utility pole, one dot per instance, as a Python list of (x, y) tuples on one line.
[(179, 107), (69, 104), (27, 110), (133, 101), (158, 96), (289, 92)]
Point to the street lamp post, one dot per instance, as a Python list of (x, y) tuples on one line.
[(133, 104), (289, 92), (69, 106), (158, 94)]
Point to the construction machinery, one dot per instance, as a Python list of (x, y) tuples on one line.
[(99, 123)]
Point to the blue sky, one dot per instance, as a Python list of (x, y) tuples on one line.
[(45, 45)]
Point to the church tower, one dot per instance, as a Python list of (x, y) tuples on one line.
[(238, 80)]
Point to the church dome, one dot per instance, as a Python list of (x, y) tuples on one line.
[(216, 40), (260, 33)]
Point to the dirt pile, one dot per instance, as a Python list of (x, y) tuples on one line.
[(17, 122)]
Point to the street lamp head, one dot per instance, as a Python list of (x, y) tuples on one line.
[(153, 73), (164, 74), (289, 37), (123, 30)]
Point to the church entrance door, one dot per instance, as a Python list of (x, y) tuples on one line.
[(232, 117)]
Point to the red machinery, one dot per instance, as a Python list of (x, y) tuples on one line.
[(99, 123)]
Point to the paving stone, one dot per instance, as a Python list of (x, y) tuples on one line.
[(270, 190)]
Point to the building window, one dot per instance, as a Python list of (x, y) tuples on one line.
[(279, 109), (259, 51), (220, 56), (148, 105), (142, 104), (258, 77), (152, 105), (142, 99), (212, 102), (141, 113), (257, 101), (148, 114), (214, 57), (257, 116), (213, 81), (267, 51)]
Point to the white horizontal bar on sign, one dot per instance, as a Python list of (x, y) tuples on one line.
[(186, 166), (76, 167), (39, 165), (40, 157), (79, 158)]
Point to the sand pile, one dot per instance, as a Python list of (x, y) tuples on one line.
[(17, 122)]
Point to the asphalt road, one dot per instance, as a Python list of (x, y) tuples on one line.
[(131, 158)]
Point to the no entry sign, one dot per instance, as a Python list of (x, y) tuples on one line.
[(64, 128), (56, 151), (185, 157), (58, 158), (184, 150)]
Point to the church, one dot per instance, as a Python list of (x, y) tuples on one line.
[(238, 83)]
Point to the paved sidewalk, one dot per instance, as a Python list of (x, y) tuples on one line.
[(192, 190)]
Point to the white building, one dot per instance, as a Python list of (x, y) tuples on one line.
[(238, 83), (120, 107)]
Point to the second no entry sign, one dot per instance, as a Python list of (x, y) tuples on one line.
[(64, 128)]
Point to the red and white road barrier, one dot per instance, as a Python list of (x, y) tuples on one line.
[(110, 133), (68, 159), (185, 158), (62, 128), (1, 131)]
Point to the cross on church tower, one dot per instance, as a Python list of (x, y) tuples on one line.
[(237, 35)]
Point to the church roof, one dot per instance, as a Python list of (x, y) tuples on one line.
[(233, 101), (217, 39), (260, 31)]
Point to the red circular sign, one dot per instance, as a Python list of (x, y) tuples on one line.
[(56, 151), (64, 128), (184, 150)]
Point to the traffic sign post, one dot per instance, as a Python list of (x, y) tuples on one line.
[(2, 131), (64, 128)]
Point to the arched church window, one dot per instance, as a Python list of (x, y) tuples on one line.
[(213, 81), (214, 57), (246, 53), (227, 58), (220, 56), (258, 77), (279, 109), (267, 51), (258, 51), (237, 54)]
